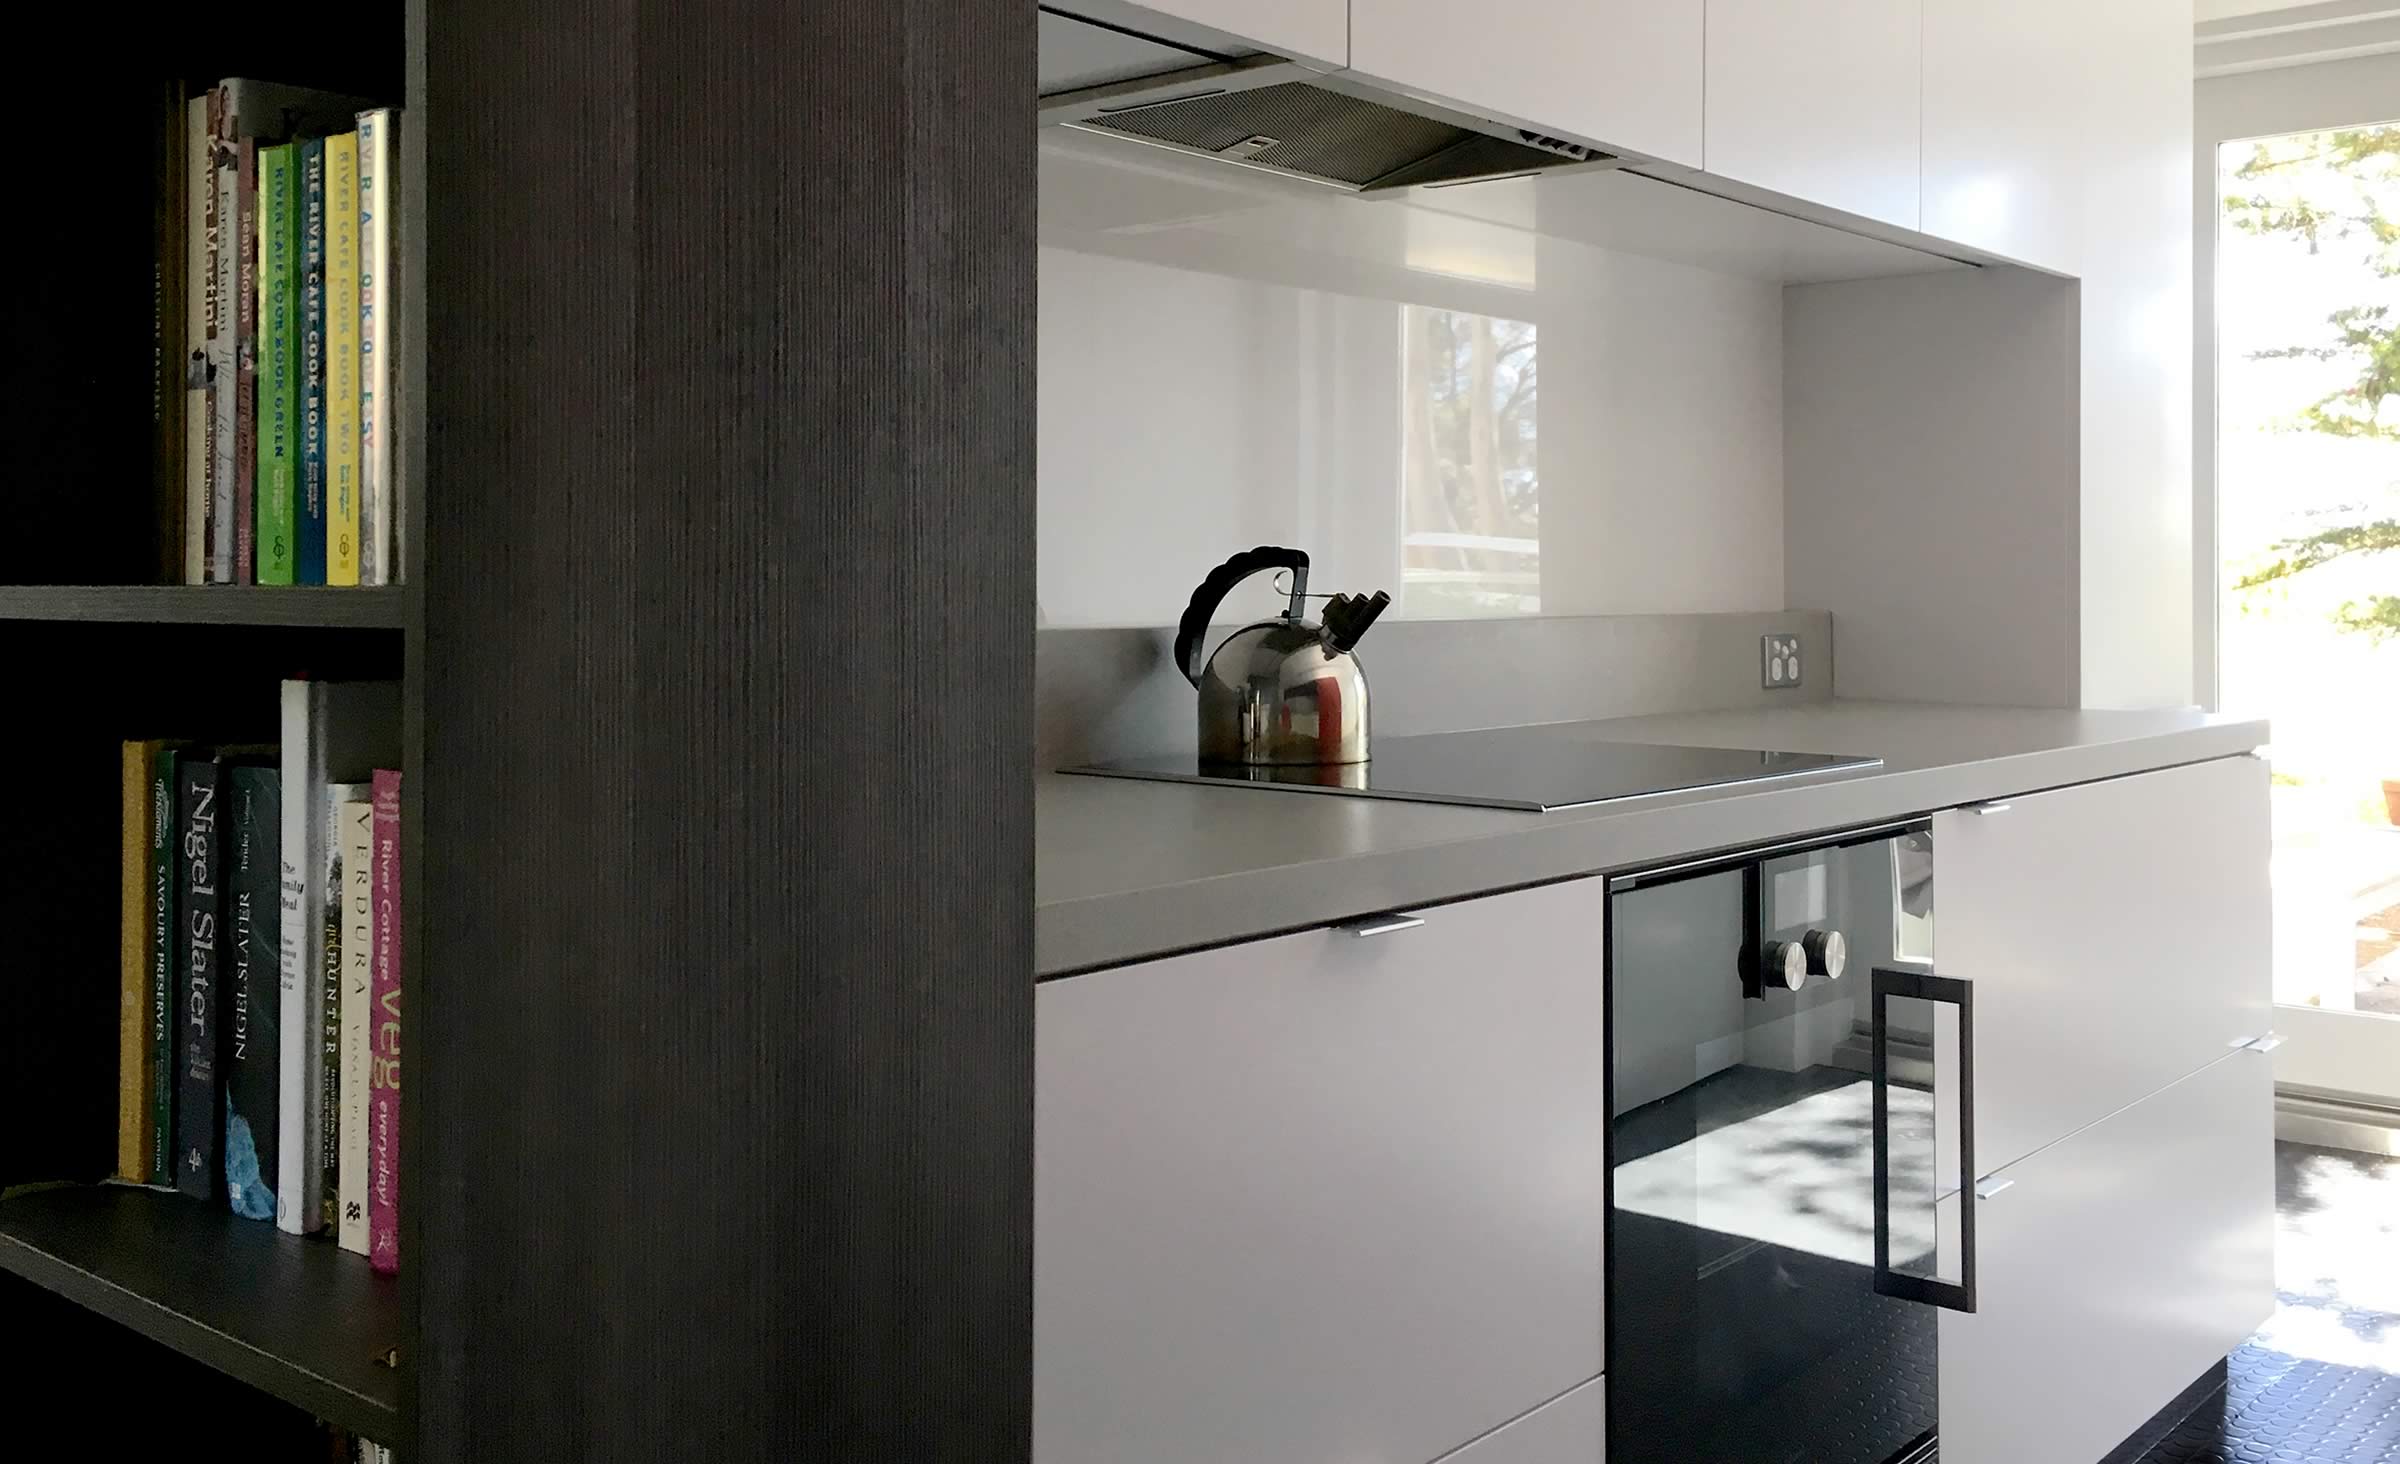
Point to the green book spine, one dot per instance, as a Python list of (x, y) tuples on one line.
[(279, 364), (310, 275)]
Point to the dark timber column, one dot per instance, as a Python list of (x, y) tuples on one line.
[(723, 1047)]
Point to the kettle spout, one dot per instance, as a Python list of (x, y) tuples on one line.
[(1347, 620)]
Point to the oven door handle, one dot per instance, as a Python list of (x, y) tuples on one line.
[(1958, 1295)]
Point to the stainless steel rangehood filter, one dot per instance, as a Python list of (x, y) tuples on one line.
[(1278, 116)]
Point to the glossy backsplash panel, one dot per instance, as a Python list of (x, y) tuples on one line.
[(1430, 397), (1102, 694)]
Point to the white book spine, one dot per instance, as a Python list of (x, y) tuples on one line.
[(298, 1201), (200, 186), (377, 181), (358, 1016)]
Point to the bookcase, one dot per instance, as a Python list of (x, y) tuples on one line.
[(716, 428), (180, 1307)]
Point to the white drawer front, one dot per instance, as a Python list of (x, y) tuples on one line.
[(1569, 1430), (2118, 938), (2115, 1269), (1321, 1197)]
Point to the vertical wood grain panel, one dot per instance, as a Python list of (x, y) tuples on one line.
[(724, 1015)]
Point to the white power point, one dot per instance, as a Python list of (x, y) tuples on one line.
[(1778, 662)]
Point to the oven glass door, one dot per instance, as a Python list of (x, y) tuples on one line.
[(1787, 1125)]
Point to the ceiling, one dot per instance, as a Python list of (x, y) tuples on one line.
[(2232, 36)]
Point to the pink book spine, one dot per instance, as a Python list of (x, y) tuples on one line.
[(383, 1088)]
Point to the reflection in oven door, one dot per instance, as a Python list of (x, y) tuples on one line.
[(1749, 1319)]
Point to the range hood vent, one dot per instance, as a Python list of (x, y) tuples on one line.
[(1333, 137), (1278, 116)]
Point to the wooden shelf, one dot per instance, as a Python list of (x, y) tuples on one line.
[(378, 608), (303, 1320)]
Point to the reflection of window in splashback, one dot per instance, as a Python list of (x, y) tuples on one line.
[(1200, 393), (1471, 532)]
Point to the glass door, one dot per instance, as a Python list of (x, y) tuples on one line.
[(1787, 1120), (2308, 582)]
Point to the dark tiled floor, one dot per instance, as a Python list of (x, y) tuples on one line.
[(2320, 1384)]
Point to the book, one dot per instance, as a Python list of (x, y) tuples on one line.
[(310, 560), (199, 311), (168, 182), (278, 363), (377, 190), (253, 1050), (166, 791), (341, 359), (333, 1100), (333, 732), (357, 820), (199, 1089), (245, 363), (383, 1095), (136, 1056), (249, 114), (224, 250)]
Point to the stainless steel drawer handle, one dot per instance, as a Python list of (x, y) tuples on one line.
[(1381, 925), (2267, 1043), (1986, 1188), (1997, 805)]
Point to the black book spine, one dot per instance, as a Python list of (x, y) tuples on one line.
[(329, 971), (167, 364), (200, 1089), (254, 1045), (166, 792)]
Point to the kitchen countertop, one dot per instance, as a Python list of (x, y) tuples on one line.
[(1125, 871)]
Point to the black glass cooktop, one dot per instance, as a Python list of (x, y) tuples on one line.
[(1534, 769)]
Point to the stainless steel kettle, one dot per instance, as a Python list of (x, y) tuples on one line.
[(1285, 691)]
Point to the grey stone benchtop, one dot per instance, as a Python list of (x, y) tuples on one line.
[(1124, 871)]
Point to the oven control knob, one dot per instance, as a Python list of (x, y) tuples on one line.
[(1784, 965), (1827, 953)]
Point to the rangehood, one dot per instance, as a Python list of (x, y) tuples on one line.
[(1264, 112)]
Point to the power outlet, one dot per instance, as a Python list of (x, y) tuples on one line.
[(1779, 662)]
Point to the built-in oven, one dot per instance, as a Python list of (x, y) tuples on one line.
[(1790, 1155)]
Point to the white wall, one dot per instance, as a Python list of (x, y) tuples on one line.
[(1220, 366), (2227, 108), (1930, 458)]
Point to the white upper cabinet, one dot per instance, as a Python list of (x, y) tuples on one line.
[(1818, 101), (1313, 31), (2006, 96), (1624, 74)]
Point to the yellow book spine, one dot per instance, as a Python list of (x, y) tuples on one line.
[(341, 360), (133, 968)]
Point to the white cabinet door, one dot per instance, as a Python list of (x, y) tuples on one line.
[(1321, 1197), (2118, 1267), (1569, 1430), (1817, 101), (1314, 31), (2117, 935), (2006, 102), (1624, 74)]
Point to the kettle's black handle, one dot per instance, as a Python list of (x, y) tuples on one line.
[(1192, 630)]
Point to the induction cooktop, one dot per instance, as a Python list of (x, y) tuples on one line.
[(1531, 769)]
